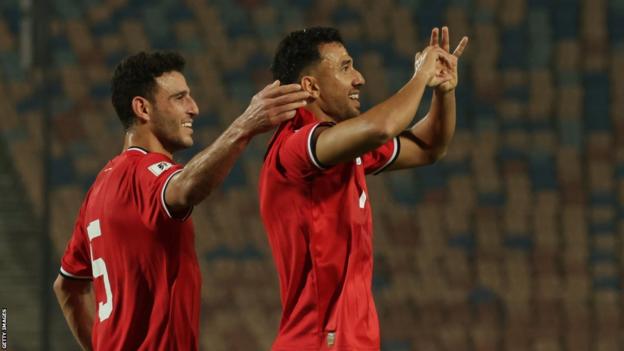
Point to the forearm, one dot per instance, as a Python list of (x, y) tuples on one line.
[(397, 112), (207, 170), (436, 130), (400, 109), (78, 307), (268, 108)]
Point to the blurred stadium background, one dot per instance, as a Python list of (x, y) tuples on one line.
[(514, 241)]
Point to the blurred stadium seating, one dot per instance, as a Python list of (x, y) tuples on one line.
[(515, 241)]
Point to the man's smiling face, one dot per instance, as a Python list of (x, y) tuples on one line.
[(339, 82), (174, 111)]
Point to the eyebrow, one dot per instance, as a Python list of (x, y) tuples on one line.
[(346, 62), (179, 93)]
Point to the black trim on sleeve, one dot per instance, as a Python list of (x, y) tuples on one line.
[(312, 145), (164, 203), (396, 156)]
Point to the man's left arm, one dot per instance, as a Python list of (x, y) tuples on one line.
[(75, 296), (427, 141)]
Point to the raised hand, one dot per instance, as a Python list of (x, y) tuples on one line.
[(271, 106), (430, 64), (448, 68)]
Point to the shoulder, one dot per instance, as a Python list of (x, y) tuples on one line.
[(156, 165), (151, 162), (139, 165)]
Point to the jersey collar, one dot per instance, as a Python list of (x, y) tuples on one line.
[(137, 148), (304, 117)]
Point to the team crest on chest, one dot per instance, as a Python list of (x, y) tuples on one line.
[(158, 168)]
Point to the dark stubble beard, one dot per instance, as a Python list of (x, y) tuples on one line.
[(167, 130)]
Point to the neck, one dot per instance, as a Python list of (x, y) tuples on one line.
[(136, 137), (319, 113)]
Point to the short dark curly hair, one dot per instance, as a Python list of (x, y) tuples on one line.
[(300, 49), (136, 76)]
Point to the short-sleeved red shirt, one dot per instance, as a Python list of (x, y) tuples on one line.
[(319, 226), (142, 261)]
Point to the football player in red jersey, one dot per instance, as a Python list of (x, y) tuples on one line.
[(313, 195), (129, 278)]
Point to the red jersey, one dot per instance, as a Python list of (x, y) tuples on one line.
[(319, 227), (142, 261)]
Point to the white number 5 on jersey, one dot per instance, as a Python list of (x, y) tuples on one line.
[(99, 270)]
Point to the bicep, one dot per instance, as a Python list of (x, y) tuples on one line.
[(64, 286), (413, 153)]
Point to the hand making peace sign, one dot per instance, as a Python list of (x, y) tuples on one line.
[(451, 66)]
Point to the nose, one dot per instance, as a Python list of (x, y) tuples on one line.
[(359, 79), (193, 108)]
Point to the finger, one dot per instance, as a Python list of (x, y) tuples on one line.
[(267, 87), (434, 37), (284, 116), (289, 107), (437, 80), (438, 54), (445, 57), (274, 84), (443, 80), (444, 75), (281, 90), (445, 38), (288, 98), (459, 50)]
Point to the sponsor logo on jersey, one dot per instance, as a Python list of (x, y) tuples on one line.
[(158, 168)]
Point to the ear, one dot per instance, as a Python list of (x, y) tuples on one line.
[(141, 108), (309, 84)]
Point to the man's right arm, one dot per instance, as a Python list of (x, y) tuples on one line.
[(204, 172), (356, 136), (78, 305)]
